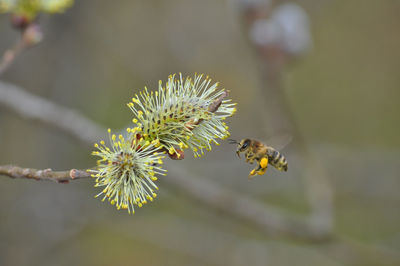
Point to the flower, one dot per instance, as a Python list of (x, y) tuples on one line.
[(178, 114), (30, 8), (127, 170), (185, 113)]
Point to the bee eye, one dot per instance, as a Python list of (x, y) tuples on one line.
[(245, 145)]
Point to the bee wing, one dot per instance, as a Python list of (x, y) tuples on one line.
[(279, 141)]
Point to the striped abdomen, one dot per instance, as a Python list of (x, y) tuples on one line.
[(277, 160)]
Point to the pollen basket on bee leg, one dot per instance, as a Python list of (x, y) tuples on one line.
[(264, 162)]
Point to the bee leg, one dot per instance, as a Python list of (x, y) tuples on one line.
[(262, 168), (261, 171), (252, 173), (248, 157), (251, 158)]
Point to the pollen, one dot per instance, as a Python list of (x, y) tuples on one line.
[(264, 162)]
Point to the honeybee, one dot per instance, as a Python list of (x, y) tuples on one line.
[(257, 151)]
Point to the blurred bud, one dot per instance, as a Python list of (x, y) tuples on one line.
[(253, 4), (32, 35), (295, 26), (20, 21), (265, 32), (288, 28), (253, 9), (55, 6), (25, 11)]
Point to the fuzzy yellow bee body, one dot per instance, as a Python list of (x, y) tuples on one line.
[(256, 151)]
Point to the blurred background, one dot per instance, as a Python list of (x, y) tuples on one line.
[(325, 71)]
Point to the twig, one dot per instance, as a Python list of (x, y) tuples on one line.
[(31, 35), (267, 219), (46, 174), (10, 55)]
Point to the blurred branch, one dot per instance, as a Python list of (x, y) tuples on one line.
[(272, 56), (10, 55), (31, 35), (33, 107), (46, 174), (267, 219)]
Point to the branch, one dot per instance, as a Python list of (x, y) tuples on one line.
[(31, 35), (46, 174), (267, 219), (33, 107), (10, 55)]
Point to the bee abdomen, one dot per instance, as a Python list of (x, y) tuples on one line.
[(278, 161)]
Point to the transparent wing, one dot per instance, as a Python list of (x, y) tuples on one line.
[(279, 141)]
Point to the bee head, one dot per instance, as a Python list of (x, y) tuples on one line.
[(243, 145)]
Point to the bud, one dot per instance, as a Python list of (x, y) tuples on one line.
[(20, 21), (32, 35)]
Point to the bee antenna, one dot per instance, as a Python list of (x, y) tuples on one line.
[(232, 141)]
